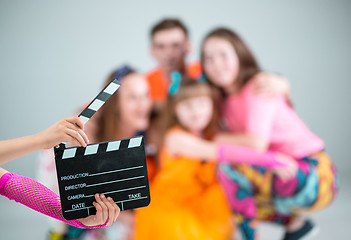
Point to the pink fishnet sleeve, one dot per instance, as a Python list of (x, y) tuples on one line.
[(36, 196), (228, 153)]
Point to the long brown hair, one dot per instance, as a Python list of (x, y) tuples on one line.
[(190, 88), (107, 122), (248, 65)]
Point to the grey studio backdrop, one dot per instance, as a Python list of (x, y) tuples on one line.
[(55, 56)]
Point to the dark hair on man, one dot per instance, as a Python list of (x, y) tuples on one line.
[(169, 23)]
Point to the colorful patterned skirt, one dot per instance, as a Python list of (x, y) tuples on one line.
[(257, 194)]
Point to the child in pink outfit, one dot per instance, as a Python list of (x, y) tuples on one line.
[(257, 192)]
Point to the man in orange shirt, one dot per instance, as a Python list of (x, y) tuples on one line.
[(170, 46)]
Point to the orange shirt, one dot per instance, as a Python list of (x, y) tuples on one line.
[(158, 82)]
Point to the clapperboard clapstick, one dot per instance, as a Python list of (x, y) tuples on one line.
[(115, 168)]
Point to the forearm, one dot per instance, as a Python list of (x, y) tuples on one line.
[(229, 153), (202, 149), (238, 139), (18, 147), (35, 196), (234, 154), (197, 148), (246, 140), (194, 147)]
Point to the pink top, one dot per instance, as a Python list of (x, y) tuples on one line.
[(271, 119)]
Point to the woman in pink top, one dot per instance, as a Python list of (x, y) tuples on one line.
[(256, 192)]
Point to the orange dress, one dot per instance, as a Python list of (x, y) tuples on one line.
[(186, 203), (158, 82)]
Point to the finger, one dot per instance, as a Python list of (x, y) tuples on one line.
[(290, 174), (111, 210), (287, 176), (76, 121), (284, 177), (255, 77), (103, 206), (259, 89), (80, 123), (258, 78), (282, 174), (264, 88), (99, 215), (260, 85), (81, 133), (72, 140), (113, 204), (294, 171), (79, 130), (84, 136), (77, 136), (116, 208)]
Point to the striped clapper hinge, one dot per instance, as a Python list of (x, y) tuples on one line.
[(115, 168), (100, 99)]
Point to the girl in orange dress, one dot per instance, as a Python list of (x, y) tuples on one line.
[(187, 202)]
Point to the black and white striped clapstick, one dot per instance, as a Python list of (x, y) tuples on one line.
[(99, 100), (115, 168)]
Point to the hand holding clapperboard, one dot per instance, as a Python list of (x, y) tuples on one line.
[(115, 168)]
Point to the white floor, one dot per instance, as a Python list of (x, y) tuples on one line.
[(19, 222)]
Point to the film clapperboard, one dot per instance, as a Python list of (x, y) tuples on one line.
[(114, 168)]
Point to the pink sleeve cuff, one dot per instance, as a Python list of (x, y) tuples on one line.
[(3, 181)]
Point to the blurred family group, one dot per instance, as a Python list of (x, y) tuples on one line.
[(225, 148)]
